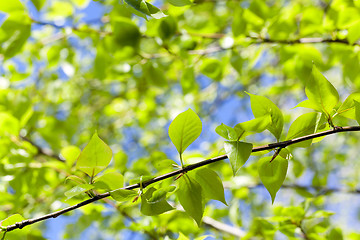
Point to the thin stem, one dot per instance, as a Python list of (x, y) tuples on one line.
[(181, 160), (20, 225)]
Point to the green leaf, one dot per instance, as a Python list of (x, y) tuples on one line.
[(210, 183), (11, 220), (95, 157), (70, 153), (262, 106), (212, 68), (321, 92), (238, 153), (308, 104), (112, 180), (76, 179), (154, 206), (122, 195), (272, 174), (256, 125), (357, 111), (185, 129), (188, 82), (304, 125), (226, 132), (347, 108), (167, 28), (354, 33), (79, 189), (190, 197), (155, 74), (126, 33), (179, 3), (145, 9), (38, 4), (9, 125)]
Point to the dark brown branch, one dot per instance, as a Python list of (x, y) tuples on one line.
[(43, 151), (20, 225)]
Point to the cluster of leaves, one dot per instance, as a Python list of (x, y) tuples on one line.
[(66, 73)]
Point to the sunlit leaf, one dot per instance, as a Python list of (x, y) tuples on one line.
[(272, 174), (70, 153), (112, 180), (321, 92), (226, 132), (262, 106), (303, 125), (77, 190), (190, 196), (210, 183), (180, 3), (122, 195), (185, 129), (347, 108), (11, 220), (151, 206), (238, 153), (95, 157)]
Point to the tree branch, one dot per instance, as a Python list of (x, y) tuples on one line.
[(223, 227), (20, 225)]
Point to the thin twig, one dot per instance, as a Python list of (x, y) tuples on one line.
[(20, 225), (223, 227)]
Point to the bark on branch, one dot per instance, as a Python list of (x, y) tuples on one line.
[(20, 225)]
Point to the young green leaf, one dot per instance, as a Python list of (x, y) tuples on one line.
[(11, 220), (256, 125), (76, 179), (354, 33), (307, 104), (303, 125), (144, 9), (226, 132), (262, 106), (185, 129), (122, 195), (78, 190), (212, 68), (95, 157), (179, 3), (190, 196), (210, 183), (70, 153), (272, 174), (154, 206), (111, 180), (321, 92), (238, 153), (357, 111), (347, 108)]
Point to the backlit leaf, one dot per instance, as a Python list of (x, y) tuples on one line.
[(226, 132), (211, 184), (190, 196), (122, 195), (11, 220), (321, 92), (79, 189), (185, 129), (303, 125), (95, 157), (272, 174), (238, 153), (262, 106), (151, 206)]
